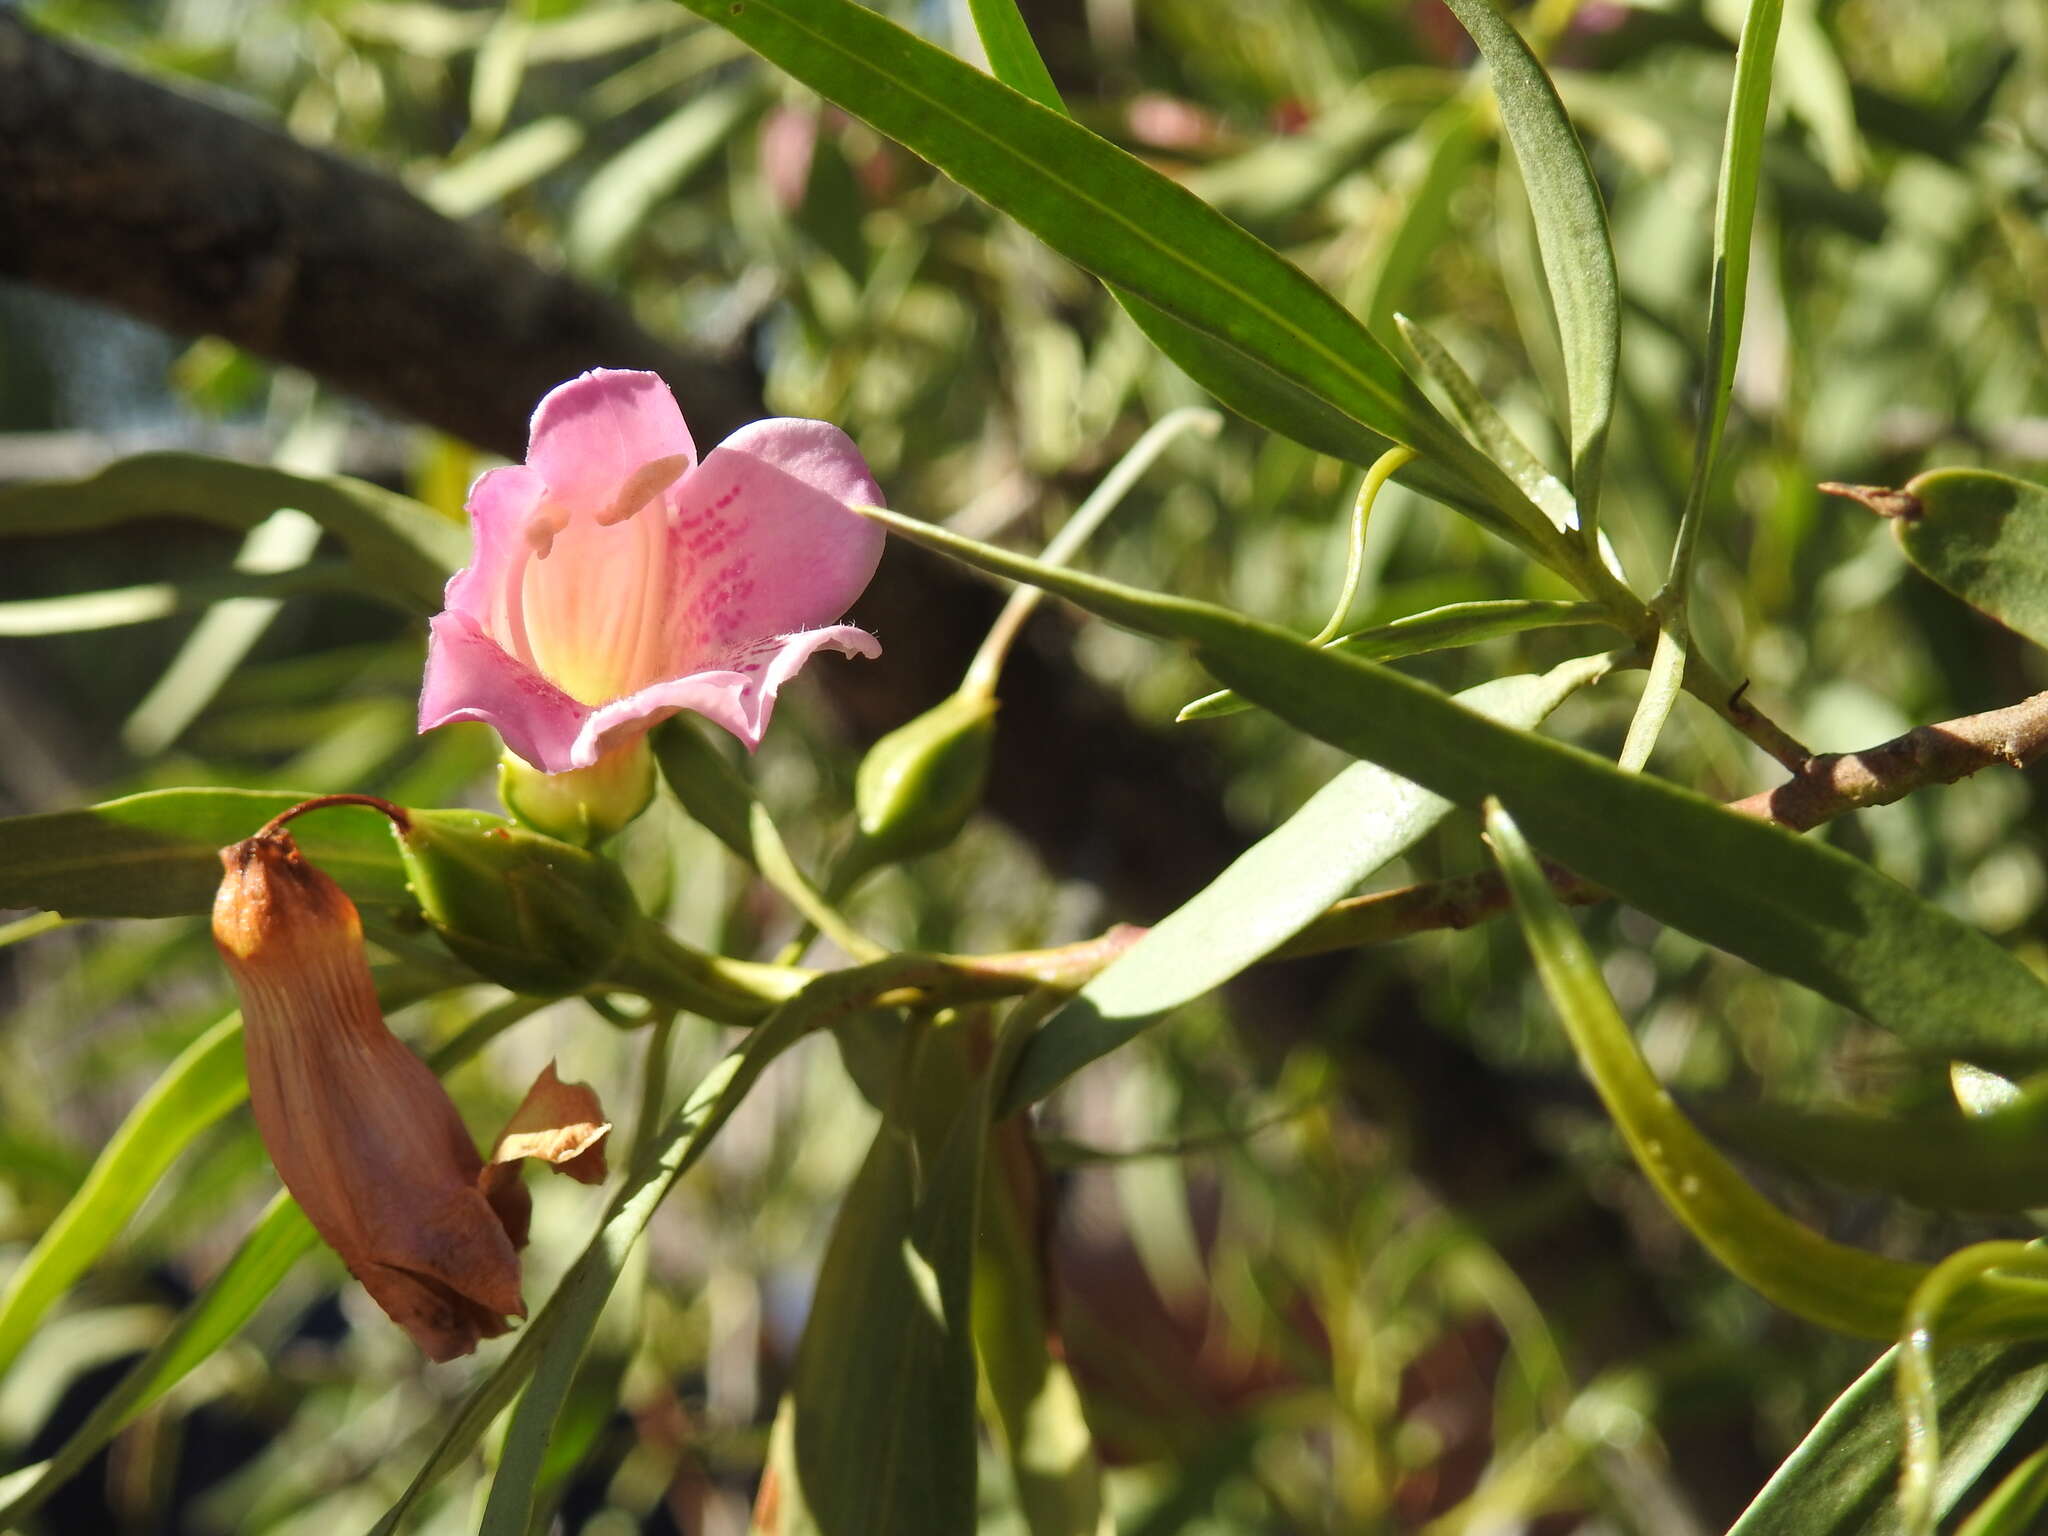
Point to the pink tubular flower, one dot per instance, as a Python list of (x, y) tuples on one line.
[(617, 580)]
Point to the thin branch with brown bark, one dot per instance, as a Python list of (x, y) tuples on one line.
[(1825, 787)]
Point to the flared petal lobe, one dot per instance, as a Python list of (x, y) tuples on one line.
[(768, 543)]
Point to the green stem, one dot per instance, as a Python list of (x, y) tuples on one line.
[(664, 970), (995, 647), (653, 1088)]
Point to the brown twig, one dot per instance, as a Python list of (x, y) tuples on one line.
[(1828, 786)]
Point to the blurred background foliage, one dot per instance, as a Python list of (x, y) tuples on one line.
[(1282, 1318)]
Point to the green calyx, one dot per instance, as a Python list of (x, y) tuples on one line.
[(527, 911), (584, 806)]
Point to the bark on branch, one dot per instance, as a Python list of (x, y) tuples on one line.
[(123, 192), (1828, 786)]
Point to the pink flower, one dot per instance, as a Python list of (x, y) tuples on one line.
[(617, 580)]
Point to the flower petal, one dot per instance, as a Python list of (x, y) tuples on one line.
[(766, 541), (609, 441), (739, 696), (502, 506), (470, 677)]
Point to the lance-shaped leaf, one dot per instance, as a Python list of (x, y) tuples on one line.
[(1303, 353), (884, 1390), (402, 551), (1434, 629), (157, 854), (1571, 234), (1349, 828), (1843, 1478), (1793, 906)]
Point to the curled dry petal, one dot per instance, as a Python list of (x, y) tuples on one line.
[(560, 1123), (361, 1131), (617, 579)]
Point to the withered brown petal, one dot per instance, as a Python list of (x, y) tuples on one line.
[(361, 1131)]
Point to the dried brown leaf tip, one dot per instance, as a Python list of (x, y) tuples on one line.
[(359, 1128)]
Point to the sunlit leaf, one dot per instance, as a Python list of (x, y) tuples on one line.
[(1434, 629), (1571, 234), (1131, 226), (1353, 825), (402, 550), (1985, 538), (1843, 1478), (884, 1388)]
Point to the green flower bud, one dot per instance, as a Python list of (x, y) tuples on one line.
[(526, 911), (583, 806), (918, 785)]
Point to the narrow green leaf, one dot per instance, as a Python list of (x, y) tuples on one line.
[(1985, 538), (1475, 414), (1050, 1447), (1734, 220), (202, 1084), (280, 1238), (1795, 907), (552, 1345), (1349, 828), (1840, 1481), (404, 551), (1013, 57), (1661, 687), (1134, 228), (1571, 234), (884, 1390), (1997, 1161), (1434, 629), (157, 854), (1253, 390), (1840, 1287)]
